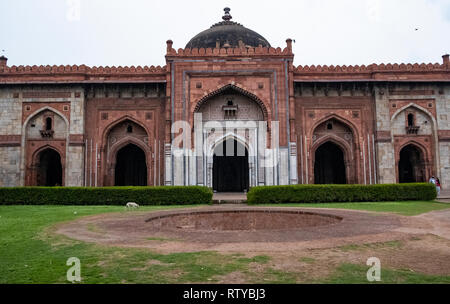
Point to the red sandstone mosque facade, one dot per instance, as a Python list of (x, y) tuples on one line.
[(283, 124)]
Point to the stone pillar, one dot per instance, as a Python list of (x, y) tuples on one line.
[(293, 163), (284, 166), (261, 147), (168, 164), (198, 149)]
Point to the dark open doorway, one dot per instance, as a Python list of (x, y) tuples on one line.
[(410, 166), (230, 167), (329, 166), (49, 169), (131, 167)]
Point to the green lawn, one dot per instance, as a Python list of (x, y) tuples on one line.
[(30, 253), (356, 274), (403, 208)]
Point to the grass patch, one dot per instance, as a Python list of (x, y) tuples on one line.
[(307, 260), (357, 274), (275, 276), (261, 259), (30, 254), (390, 244), (402, 208), (161, 239)]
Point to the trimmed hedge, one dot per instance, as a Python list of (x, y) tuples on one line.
[(105, 195), (341, 193)]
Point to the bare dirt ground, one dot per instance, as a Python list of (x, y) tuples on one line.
[(418, 243)]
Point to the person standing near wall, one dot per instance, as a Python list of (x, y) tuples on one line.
[(434, 182), (438, 186)]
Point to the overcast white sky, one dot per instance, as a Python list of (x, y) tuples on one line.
[(134, 32)]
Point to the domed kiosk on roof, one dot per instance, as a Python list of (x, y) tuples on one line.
[(227, 33)]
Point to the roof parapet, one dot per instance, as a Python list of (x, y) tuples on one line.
[(83, 69), (370, 68), (233, 51)]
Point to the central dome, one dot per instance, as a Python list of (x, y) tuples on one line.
[(227, 34)]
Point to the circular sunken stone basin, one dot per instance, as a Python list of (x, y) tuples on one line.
[(226, 228), (241, 220)]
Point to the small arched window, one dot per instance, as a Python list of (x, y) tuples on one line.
[(130, 129), (410, 120), (329, 126), (48, 124)]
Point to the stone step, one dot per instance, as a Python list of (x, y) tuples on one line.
[(228, 201), (229, 198)]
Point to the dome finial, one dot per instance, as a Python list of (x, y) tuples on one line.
[(227, 16)]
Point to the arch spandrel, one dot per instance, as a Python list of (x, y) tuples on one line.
[(338, 131), (38, 123), (118, 135), (239, 93)]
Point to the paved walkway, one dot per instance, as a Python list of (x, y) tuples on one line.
[(445, 194), (229, 198), (444, 197)]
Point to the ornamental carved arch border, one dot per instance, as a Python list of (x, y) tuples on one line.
[(264, 108), (113, 124), (112, 158), (347, 150), (427, 143), (31, 179), (31, 146), (342, 120), (425, 150), (352, 156), (109, 154)]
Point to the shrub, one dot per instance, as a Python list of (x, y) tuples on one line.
[(105, 195), (341, 193)]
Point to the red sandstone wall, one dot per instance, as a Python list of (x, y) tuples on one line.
[(356, 112), (102, 114)]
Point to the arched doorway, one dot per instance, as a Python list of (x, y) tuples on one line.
[(131, 167), (329, 166), (49, 169), (410, 166), (230, 167)]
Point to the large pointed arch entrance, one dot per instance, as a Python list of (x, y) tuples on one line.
[(131, 167), (335, 153), (230, 167), (48, 168), (329, 166), (411, 168), (127, 154)]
